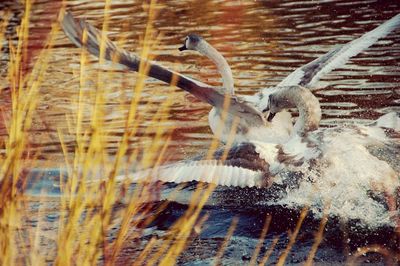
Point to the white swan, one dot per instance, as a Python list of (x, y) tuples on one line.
[(74, 29), (252, 124), (341, 162), (221, 124), (268, 150), (354, 169)]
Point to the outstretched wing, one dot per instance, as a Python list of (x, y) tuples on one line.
[(221, 173), (310, 73), (75, 30)]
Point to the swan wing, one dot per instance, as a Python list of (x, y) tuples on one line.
[(83, 34), (310, 73), (216, 172)]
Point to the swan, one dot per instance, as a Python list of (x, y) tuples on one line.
[(355, 169), (237, 107), (337, 164), (248, 111), (221, 124), (75, 29), (348, 168)]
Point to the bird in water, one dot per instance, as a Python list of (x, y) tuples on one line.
[(222, 124), (258, 159)]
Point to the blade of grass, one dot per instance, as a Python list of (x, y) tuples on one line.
[(293, 236), (264, 231), (220, 253)]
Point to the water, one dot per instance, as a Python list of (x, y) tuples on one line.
[(263, 42)]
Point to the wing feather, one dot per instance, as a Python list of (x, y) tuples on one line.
[(310, 73), (208, 171), (75, 30)]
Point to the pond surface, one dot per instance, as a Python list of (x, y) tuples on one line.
[(263, 41)]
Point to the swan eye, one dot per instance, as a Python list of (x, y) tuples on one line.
[(194, 39)]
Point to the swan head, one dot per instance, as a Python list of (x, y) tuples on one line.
[(275, 104), (296, 97), (192, 42)]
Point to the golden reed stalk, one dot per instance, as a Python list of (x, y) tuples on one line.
[(25, 85)]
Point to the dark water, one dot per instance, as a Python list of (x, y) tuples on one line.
[(251, 207), (263, 42)]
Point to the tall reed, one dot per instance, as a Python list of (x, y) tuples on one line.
[(24, 82)]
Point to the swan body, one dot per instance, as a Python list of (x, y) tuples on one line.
[(228, 131), (222, 124)]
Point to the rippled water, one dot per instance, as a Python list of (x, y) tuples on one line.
[(263, 42)]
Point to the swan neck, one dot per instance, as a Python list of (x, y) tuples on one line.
[(307, 105), (307, 121), (222, 65)]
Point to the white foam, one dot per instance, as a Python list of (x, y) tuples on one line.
[(344, 179)]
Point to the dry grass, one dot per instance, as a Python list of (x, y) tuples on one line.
[(24, 94), (292, 238)]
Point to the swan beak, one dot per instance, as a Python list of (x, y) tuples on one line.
[(270, 116), (183, 48)]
